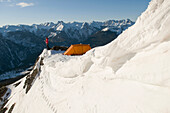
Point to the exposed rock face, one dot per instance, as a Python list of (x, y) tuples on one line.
[(57, 48), (4, 93), (31, 77)]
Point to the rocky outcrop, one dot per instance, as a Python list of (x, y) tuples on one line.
[(35, 72)]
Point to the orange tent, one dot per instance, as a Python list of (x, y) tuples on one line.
[(77, 49)]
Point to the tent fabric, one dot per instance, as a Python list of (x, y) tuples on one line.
[(77, 49)]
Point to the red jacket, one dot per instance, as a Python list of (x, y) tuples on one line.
[(46, 41)]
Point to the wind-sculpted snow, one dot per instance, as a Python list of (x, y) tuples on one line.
[(129, 75), (149, 36)]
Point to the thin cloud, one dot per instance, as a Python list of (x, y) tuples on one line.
[(5, 0), (23, 4)]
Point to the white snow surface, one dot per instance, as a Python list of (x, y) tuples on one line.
[(129, 75)]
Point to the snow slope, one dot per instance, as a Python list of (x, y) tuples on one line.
[(129, 75)]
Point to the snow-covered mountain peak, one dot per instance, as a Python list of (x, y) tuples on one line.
[(128, 21), (74, 30), (84, 25), (105, 29), (60, 27), (60, 22), (76, 25), (49, 24)]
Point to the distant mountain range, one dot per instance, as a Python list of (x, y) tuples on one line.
[(21, 44)]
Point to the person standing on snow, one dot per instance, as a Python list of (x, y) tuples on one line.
[(46, 41)]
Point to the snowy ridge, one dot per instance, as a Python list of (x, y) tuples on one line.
[(83, 28), (32, 37), (129, 75)]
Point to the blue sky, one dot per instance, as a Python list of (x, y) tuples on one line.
[(40, 11)]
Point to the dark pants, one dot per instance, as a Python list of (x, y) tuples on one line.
[(47, 46)]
